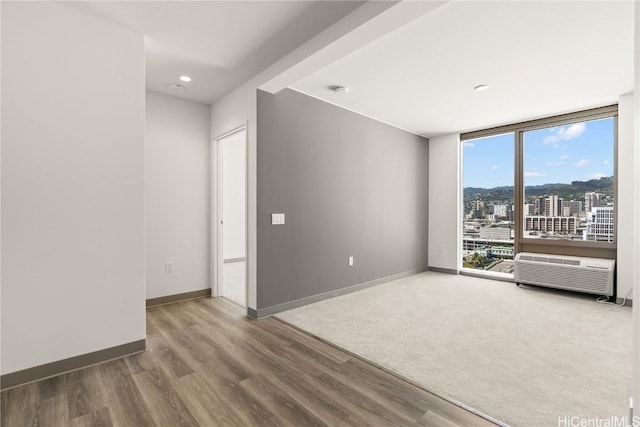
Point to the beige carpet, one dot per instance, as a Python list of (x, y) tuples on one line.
[(524, 356)]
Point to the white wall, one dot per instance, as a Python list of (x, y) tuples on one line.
[(625, 172), (234, 204), (177, 146), (72, 185), (444, 199)]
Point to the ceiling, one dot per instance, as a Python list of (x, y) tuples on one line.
[(538, 58), (219, 44)]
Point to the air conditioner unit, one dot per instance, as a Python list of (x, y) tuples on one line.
[(591, 275)]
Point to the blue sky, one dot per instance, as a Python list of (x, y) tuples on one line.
[(575, 152)]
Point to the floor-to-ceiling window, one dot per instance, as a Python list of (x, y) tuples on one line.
[(546, 186), (488, 218), (568, 181)]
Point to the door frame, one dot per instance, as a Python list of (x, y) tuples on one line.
[(217, 238)]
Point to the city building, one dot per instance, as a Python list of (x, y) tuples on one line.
[(553, 206), (477, 204), (500, 252), (478, 209), (575, 207), (600, 224), (495, 233), (500, 210), (538, 205), (592, 200), (489, 251), (558, 224)]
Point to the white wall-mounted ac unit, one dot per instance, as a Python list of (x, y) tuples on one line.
[(591, 275)]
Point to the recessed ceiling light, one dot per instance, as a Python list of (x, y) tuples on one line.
[(185, 78), (176, 87), (480, 88), (339, 89)]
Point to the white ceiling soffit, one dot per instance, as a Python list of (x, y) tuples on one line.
[(219, 44), (386, 17), (538, 58)]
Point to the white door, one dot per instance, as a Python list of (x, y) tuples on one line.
[(232, 218)]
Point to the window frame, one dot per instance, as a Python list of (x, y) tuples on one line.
[(552, 246)]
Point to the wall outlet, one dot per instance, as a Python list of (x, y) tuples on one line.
[(350, 261), (168, 267)]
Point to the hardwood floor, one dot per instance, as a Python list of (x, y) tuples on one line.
[(208, 365)]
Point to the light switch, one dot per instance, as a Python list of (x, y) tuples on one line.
[(277, 219)]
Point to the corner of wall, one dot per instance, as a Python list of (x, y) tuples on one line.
[(177, 144), (444, 202), (625, 203)]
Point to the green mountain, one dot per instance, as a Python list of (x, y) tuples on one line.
[(573, 191)]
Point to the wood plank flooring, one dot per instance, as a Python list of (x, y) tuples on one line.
[(208, 365)]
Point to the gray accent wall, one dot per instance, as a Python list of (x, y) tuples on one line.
[(348, 186)]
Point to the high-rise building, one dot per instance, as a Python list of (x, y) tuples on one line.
[(600, 223), (478, 209), (553, 206), (575, 207), (477, 204), (592, 200), (500, 210), (538, 205)]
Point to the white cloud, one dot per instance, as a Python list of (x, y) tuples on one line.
[(534, 174), (495, 168), (606, 162), (575, 130), (564, 133), (582, 163), (468, 144), (564, 157), (597, 175)]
